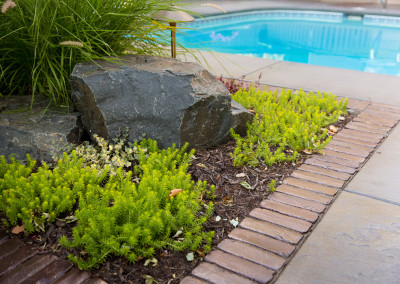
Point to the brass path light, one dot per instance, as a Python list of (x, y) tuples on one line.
[(173, 17)]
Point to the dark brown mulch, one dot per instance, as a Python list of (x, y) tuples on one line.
[(232, 201)]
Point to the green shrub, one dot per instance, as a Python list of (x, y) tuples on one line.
[(142, 217), (285, 124), (115, 216), (42, 40)]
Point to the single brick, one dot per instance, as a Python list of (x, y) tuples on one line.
[(355, 126), (262, 241), (297, 201), (27, 269), (330, 166), (361, 105), (94, 280), (323, 171), (290, 210), (12, 260), (3, 236), (304, 193), (191, 280), (355, 141), (51, 272), (345, 156), (74, 276), (311, 186), (330, 181), (375, 119), (336, 142), (362, 135), (382, 113), (218, 275), (351, 102), (351, 151), (336, 160), (252, 253), (275, 231), (369, 125), (383, 105), (9, 246), (281, 220)]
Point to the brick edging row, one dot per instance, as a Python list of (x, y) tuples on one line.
[(266, 240)]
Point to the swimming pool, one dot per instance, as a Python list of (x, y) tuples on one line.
[(369, 43)]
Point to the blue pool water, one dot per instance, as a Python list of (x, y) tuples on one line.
[(366, 43)]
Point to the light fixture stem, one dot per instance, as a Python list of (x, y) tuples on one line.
[(173, 39)]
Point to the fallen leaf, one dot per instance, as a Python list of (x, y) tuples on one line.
[(333, 128), (241, 175), (218, 218), (174, 192), (250, 110), (149, 279), (201, 165), (341, 118), (153, 260), (308, 152), (18, 229), (190, 256), (246, 185), (178, 233), (201, 253)]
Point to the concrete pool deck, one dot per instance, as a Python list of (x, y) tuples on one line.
[(355, 238)]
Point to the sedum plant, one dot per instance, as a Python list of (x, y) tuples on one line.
[(42, 40), (115, 216), (285, 123)]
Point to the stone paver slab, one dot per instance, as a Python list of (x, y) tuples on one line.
[(361, 135), (218, 275), (262, 241), (336, 142), (94, 280), (289, 210), (304, 193), (298, 225), (50, 273), (12, 260), (330, 166), (355, 141), (252, 253), (380, 175), (73, 276), (27, 269), (357, 241), (310, 185), (363, 117), (329, 181), (382, 113), (297, 202), (323, 171), (272, 230)]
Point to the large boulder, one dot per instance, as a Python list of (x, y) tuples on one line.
[(37, 131), (163, 98)]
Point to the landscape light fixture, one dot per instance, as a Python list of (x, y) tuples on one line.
[(173, 16)]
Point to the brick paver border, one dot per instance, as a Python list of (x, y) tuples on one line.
[(266, 240)]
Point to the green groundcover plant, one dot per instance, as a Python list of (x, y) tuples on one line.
[(163, 208), (285, 123), (42, 40)]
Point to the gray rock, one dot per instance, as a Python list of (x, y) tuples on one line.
[(163, 98), (39, 132)]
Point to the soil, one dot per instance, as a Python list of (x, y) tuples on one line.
[(232, 201)]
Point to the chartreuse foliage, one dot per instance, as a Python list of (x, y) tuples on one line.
[(115, 215), (285, 123)]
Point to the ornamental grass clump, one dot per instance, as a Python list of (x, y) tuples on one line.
[(285, 124), (42, 40), (162, 209)]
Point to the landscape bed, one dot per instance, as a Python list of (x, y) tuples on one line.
[(238, 189)]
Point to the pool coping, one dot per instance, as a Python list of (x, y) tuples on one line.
[(263, 244)]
